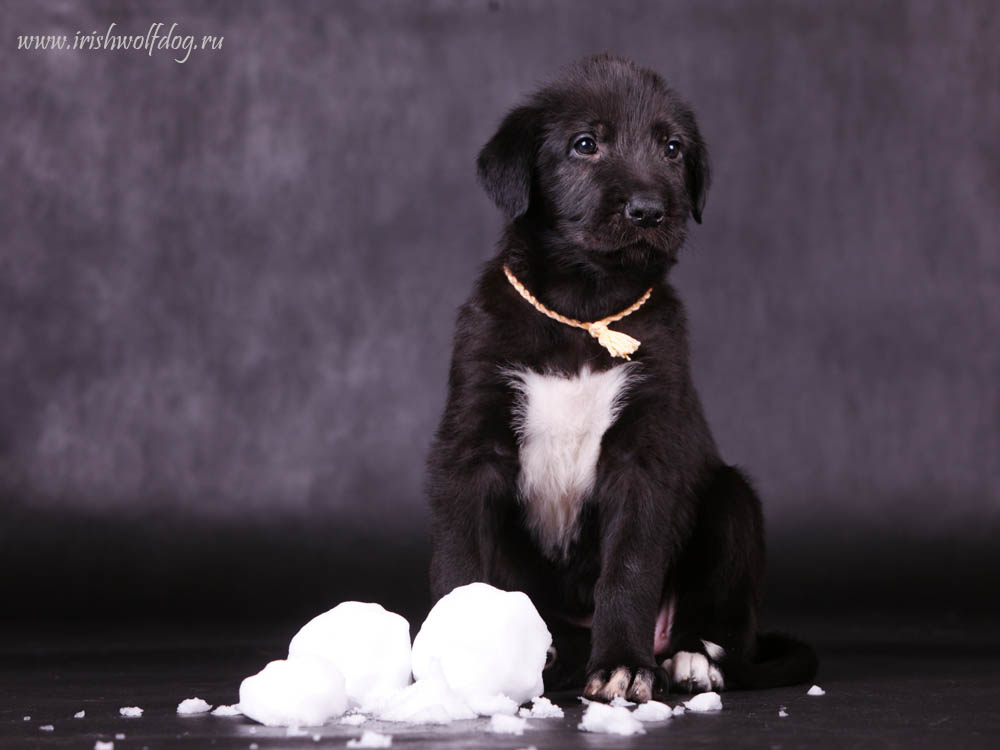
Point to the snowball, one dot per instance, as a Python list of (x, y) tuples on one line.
[(653, 711), (484, 642), (233, 710), (369, 645), (79, 714), (816, 690), (610, 719), (294, 692), (541, 708), (190, 706), (704, 702), (47, 728), (782, 713), (104, 745), (371, 739), (504, 724), (354, 719), (130, 712)]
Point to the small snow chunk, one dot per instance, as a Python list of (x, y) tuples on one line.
[(120, 736), (294, 692), (79, 714), (653, 711), (47, 728), (190, 706), (27, 718), (816, 690), (317, 737), (704, 702), (371, 739), (619, 702), (610, 720), (104, 745), (782, 713), (369, 645), (484, 642), (130, 712), (679, 709), (541, 708), (232, 710), (504, 724), (354, 719), (253, 746)]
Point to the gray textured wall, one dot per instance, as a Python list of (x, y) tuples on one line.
[(227, 286)]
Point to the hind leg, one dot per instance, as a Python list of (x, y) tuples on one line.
[(715, 588)]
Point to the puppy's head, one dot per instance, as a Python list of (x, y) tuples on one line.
[(608, 158)]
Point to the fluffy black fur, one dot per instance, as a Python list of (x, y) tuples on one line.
[(667, 517)]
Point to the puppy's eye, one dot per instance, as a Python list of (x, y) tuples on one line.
[(585, 145), (673, 148)]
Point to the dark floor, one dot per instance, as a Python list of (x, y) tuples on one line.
[(888, 685)]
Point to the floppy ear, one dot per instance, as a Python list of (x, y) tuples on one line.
[(506, 163), (697, 175)]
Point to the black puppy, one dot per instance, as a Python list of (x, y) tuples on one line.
[(570, 464)]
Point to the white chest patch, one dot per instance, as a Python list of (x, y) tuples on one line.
[(560, 422)]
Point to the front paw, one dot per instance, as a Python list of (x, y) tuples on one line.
[(631, 683), (692, 672)]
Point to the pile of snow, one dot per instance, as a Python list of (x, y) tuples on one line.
[(816, 690), (541, 708), (371, 739), (130, 712), (294, 692), (190, 706), (704, 702), (600, 717), (505, 724), (653, 711), (369, 645)]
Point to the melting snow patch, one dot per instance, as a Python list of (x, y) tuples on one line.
[(704, 702), (79, 714), (653, 711), (504, 724), (371, 739), (816, 690), (294, 692), (541, 708), (190, 706), (610, 719), (130, 712), (369, 645), (233, 710)]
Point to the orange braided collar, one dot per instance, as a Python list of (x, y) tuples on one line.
[(617, 343)]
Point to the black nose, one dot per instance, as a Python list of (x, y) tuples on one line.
[(644, 211)]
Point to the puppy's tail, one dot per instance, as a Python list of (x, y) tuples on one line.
[(781, 660)]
